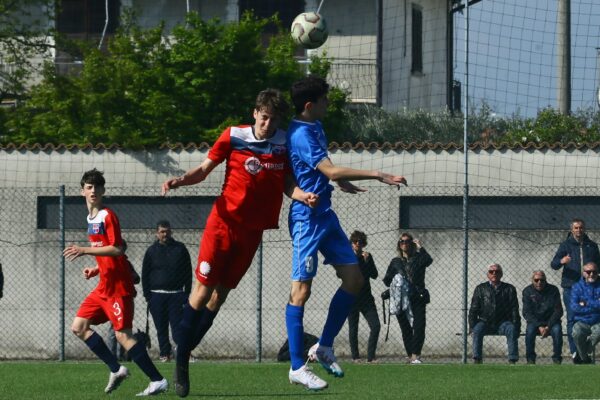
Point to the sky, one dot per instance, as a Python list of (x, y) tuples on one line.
[(513, 54)]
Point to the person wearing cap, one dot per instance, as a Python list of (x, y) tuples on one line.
[(542, 310), (495, 311)]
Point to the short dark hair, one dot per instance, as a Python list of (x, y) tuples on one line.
[(358, 236), (163, 223), (93, 177), (307, 89), (272, 100), (577, 221)]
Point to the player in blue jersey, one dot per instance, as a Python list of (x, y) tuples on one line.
[(318, 229)]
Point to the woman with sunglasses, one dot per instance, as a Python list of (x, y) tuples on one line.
[(411, 263)]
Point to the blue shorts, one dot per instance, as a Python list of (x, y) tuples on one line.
[(321, 233)]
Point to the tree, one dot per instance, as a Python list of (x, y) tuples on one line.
[(25, 29), (149, 89)]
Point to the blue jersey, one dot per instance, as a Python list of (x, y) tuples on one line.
[(307, 147)]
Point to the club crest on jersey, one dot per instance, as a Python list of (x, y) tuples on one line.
[(279, 149), (253, 165), (95, 228), (204, 268)]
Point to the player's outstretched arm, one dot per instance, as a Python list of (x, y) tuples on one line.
[(191, 177), (344, 174)]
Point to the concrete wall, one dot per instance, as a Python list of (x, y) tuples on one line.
[(32, 262)]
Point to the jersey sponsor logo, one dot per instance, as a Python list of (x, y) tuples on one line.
[(97, 244), (204, 268), (253, 165), (309, 264), (273, 166)]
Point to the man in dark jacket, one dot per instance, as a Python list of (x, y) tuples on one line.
[(542, 311), (571, 256), (585, 304), (166, 282), (495, 311)]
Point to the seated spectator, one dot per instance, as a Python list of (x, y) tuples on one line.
[(495, 311), (542, 309), (585, 304)]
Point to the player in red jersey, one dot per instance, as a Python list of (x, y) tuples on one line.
[(112, 299), (256, 176)]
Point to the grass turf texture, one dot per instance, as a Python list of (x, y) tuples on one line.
[(227, 380)]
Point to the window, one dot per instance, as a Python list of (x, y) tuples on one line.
[(498, 212), (417, 40), (87, 16), (134, 212)]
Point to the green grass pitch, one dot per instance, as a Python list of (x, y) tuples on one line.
[(246, 380)]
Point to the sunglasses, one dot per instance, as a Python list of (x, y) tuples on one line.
[(590, 271), (539, 280), (493, 271), (407, 241)]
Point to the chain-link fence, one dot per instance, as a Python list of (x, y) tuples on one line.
[(251, 324)]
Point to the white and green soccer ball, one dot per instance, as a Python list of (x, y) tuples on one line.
[(309, 30)]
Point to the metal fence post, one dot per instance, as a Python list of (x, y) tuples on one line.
[(259, 278), (61, 227)]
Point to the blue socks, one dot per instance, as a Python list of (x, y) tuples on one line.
[(295, 331), (339, 309), (97, 345), (139, 355)]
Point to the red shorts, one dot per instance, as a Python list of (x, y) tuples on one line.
[(117, 310), (226, 252)]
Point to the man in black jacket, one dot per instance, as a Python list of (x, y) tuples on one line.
[(571, 256), (542, 310), (495, 311), (166, 282)]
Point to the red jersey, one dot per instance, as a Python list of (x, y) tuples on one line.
[(254, 177), (115, 278)]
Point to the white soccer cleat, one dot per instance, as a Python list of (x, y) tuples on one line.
[(305, 377), (325, 357), (155, 388), (115, 379)]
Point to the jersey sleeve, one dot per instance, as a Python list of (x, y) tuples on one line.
[(113, 230), (222, 147), (308, 148)]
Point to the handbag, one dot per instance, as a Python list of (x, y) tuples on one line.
[(423, 296)]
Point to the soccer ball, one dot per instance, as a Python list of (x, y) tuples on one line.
[(309, 30)]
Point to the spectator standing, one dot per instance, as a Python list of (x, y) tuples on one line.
[(572, 254), (542, 310), (585, 305), (365, 303), (495, 311), (411, 264), (166, 282)]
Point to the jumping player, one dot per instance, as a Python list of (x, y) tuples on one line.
[(318, 229), (112, 299), (256, 176)]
